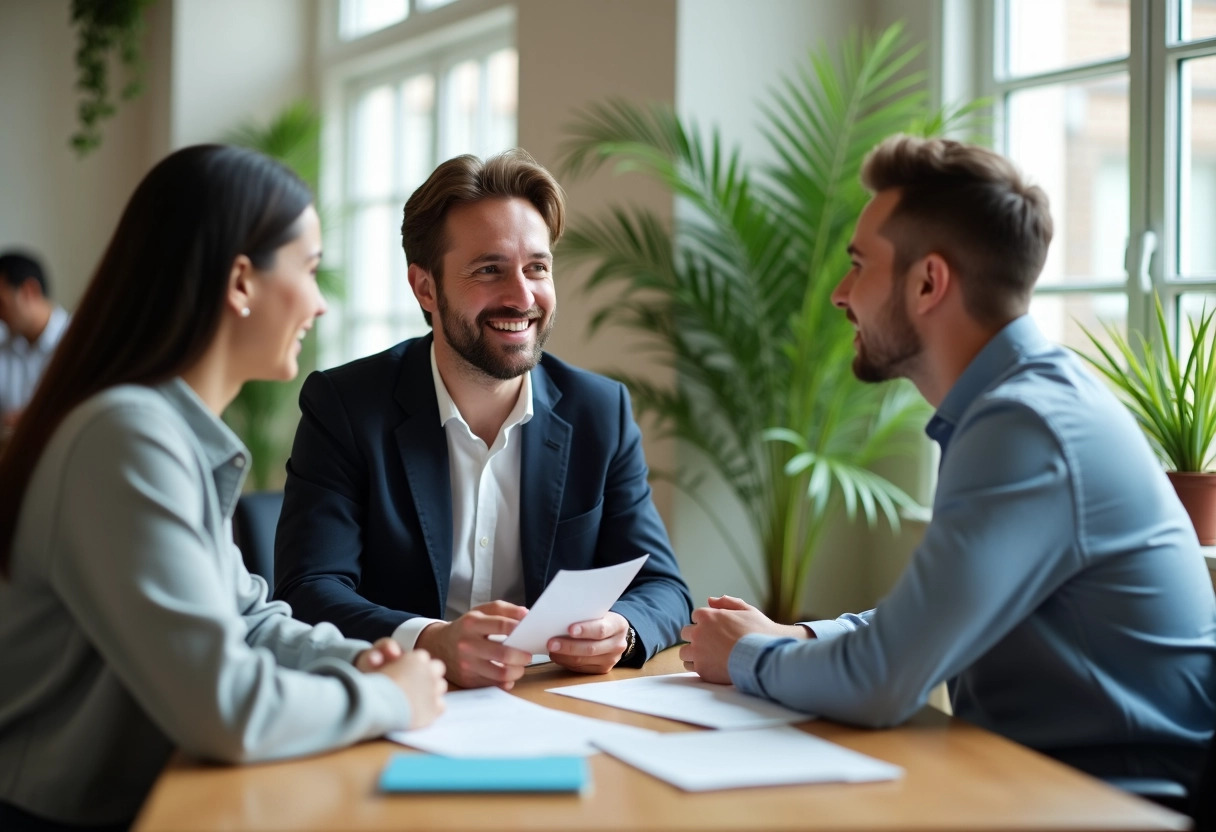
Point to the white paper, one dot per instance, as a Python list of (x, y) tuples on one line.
[(700, 761), (687, 698), (572, 596), (489, 722)]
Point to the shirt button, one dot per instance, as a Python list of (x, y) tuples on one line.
[(239, 462), (485, 541)]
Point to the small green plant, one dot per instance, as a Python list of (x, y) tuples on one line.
[(1172, 397), (105, 29)]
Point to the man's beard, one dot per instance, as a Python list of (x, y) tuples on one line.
[(891, 347), (503, 363)]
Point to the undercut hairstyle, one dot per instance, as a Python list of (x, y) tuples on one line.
[(972, 207), (465, 179), (16, 268), (155, 303)]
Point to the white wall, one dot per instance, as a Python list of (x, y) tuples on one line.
[(62, 207), (211, 65), (236, 61)]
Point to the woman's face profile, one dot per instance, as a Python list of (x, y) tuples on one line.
[(286, 304)]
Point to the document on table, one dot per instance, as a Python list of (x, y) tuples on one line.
[(700, 761), (489, 722), (573, 595), (687, 698)]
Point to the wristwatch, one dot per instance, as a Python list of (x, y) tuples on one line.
[(633, 650)]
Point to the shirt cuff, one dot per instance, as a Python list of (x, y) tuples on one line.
[(407, 631), (746, 659), (827, 628)]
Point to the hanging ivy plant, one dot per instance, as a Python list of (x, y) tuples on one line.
[(105, 28)]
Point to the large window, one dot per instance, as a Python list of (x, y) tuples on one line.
[(1110, 105), (421, 96)]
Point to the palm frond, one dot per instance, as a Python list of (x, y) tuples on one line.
[(736, 296)]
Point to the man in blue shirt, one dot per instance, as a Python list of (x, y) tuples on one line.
[(1059, 587)]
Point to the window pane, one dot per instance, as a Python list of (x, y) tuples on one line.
[(1197, 169), (461, 109), (502, 71), (374, 246), (371, 336), (417, 130), (1192, 306), (1046, 35), (361, 17), (372, 145), (1062, 316), (1071, 139), (1197, 19)]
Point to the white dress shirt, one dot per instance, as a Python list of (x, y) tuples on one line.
[(486, 564), (22, 363)]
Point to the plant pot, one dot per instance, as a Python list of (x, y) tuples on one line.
[(1198, 495)]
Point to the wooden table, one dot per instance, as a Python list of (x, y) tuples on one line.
[(958, 777)]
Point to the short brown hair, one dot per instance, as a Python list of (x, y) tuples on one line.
[(467, 179), (973, 207)]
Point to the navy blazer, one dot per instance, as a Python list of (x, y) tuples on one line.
[(365, 537)]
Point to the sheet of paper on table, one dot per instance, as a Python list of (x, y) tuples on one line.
[(573, 595), (700, 761), (489, 722), (686, 698)]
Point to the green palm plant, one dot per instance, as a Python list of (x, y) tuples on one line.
[(1173, 400), (264, 412), (737, 298)]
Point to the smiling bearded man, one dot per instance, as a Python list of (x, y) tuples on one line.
[(434, 489)]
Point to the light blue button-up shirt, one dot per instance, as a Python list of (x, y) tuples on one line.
[(1059, 587)]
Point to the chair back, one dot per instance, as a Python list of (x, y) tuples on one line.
[(253, 528), (1203, 795)]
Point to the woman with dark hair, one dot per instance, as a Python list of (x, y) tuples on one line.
[(128, 624)]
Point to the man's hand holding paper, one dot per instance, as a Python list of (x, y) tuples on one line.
[(472, 646), (592, 646)]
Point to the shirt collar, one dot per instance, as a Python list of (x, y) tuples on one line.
[(222, 449), (1017, 339), (520, 414), (55, 325)]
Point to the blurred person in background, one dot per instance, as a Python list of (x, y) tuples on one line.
[(34, 325)]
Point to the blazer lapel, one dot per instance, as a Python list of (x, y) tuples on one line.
[(423, 447), (545, 456)]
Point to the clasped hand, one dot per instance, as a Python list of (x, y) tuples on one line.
[(717, 628), (418, 676)]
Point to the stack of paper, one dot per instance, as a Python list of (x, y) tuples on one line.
[(687, 698), (488, 722), (704, 760)]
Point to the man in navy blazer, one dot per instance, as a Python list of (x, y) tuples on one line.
[(435, 489)]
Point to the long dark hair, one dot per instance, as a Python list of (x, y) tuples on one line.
[(155, 301)]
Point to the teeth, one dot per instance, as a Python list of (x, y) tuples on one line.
[(510, 326), (300, 335)]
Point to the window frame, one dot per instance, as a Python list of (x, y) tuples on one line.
[(1156, 139), (427, 41)]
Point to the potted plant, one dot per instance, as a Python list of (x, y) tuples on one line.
[(737, 299), (1173, 397)]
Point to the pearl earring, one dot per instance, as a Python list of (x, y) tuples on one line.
[(245, 312)]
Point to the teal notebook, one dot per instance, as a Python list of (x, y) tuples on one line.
[(432, 773)]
